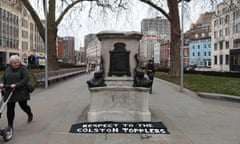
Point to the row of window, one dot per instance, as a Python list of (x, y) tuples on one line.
[(8, 17), (226, 19), (220, 45), (236, 44), (222, 20), (8, 43), (199, 54), (204, 46), (8, 30), (221, 33), (203, 35), (219, 59)]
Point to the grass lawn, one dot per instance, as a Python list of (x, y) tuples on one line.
[(203, 83)]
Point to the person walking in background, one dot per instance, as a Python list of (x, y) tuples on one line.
[(15, 78), (150, 70), (88, 68)]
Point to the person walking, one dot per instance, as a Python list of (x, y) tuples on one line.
[(15, 78), (150, 70), (88, 68)]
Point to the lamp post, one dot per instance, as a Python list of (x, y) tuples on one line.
[(182, 47), (46, 45)]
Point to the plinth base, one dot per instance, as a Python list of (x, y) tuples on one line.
[(116, 103)]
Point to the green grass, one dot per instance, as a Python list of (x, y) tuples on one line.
[(203, 83)]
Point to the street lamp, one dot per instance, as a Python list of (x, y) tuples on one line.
[(46, 45), (182, 47)]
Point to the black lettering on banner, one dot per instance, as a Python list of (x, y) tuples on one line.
[(120, 127)]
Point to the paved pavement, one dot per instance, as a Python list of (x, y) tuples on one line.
[(189, 118)]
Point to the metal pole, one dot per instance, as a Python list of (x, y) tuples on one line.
[(46, 45), (182, 47)]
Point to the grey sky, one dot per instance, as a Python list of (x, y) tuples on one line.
[(79, 24)]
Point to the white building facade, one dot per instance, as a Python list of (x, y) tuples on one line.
[(226, 37), (93, 51), (18, 32)]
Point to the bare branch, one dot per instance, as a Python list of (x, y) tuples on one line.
[(149, 2), (183, 0), (35, 17), (59, 19)]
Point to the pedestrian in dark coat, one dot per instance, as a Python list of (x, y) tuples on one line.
[(15, 78), (150, 69)]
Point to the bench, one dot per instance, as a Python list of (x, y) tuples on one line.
[(57, 75)]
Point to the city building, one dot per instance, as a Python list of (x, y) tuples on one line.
[(226, 37), (80, 56), (18, 33), (199, 40), (153, 30), (165, 53), (186, 60), (88, 39), (93, 49), (65, 51)]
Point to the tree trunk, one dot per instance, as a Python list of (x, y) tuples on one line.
[(52, 37), (52, 53), (175, 43)]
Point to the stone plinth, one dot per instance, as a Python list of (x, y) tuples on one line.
[(119, 81), (119, 100), (114, 103), (110, 38)]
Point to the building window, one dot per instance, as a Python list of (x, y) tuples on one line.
[(193, 54), (24, 23), (220, 33), (215, 23), (205, 53), (236, 28), (198, 46), (227, 31), (24, 34), (198, 54), (215, 46), (215, 60), (221, 45), (221, 59), (227, 44), (236, 43), (227, 19), (215, 34), (196, 35), (209, 53), (221, 20), (236, 15), (226, 59)]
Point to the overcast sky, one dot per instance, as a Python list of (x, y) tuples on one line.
[(129, 20)]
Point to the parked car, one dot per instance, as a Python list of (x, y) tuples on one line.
[(190, 68)]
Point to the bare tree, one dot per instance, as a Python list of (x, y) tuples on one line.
[(173, 16), (54, 21)]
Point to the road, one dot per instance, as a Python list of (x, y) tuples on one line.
[(189, 118)]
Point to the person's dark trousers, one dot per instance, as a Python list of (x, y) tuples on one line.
[(11, 111), (151, 78)]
